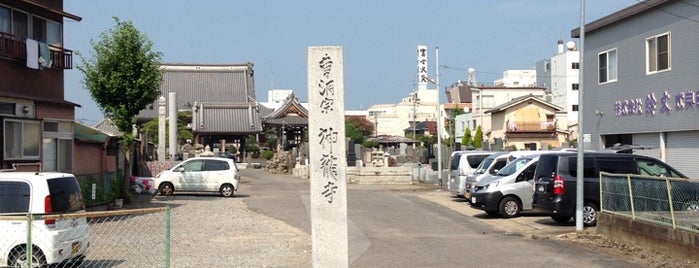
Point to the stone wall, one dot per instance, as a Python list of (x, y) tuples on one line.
[(676, 242), (380, 175), (155, 167)]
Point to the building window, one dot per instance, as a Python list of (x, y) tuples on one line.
[(607, 66), (575, 107), (575, 65), (46, 31), (22, 139), (488, 101), (576, 86), (658, 53), (7, 108), (20, 24), (5, 19), (58, 146), (547, 66)]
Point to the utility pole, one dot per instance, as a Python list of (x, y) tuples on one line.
[(415, 101)]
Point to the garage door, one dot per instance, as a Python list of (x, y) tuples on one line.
[(682, 148), (651, 140)]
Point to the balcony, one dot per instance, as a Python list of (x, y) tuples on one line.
[(531, 129), (14, 48)]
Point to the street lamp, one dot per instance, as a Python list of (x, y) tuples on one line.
[(439, 120)]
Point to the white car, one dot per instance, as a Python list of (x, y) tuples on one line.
[(200, 174), (54, 241)]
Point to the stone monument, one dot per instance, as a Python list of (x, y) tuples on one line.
[(327, 156)]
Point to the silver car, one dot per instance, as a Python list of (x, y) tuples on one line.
[(462, 164), (490, 167)]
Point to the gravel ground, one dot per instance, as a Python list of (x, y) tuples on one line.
[(212, 231)]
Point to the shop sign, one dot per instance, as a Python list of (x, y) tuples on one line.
[(664, 103)]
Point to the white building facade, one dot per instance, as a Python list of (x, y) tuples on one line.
[(561, 75)]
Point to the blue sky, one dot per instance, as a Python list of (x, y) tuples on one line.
[(380, 39)]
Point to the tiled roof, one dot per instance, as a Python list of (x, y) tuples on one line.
[(204, 83), (291, 112), (422, 126), (519, 100), (383, 139), (108, 127), (226, 118)]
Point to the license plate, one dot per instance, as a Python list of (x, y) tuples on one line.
[(541, 189), (75, 248), (473, 199), (467, 195)]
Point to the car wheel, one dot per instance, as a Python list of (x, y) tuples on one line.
[(227, 190), (560, 219), (19, 258), (509, 207), (589, 214), (166, 188)]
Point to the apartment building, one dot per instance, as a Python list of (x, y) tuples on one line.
[(37, 122)]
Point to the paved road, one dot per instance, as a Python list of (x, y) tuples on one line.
[(413, 226)]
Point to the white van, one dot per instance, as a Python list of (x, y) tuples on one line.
[(490, 167), (462, 164), (510, 191), (53, 240)]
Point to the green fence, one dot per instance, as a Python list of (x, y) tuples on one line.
[(667, 201), (119, 238)]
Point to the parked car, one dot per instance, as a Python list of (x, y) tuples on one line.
[(490, 167), (226, 154), (54, 241), (462, 164), (509, 191), (556, 180), (200, 174)]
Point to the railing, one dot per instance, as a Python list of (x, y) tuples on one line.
[(665, 201), (16, 49), (12, 48), (118, 238), (528, 126)]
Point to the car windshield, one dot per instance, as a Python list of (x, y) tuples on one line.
[(484, 165), (514, 166)]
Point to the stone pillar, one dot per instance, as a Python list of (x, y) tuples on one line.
[(161, 128), (328, 163), (172, 114)]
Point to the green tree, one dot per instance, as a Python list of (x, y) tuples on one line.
[(467, 140), (362, 124), (184, 133), (122, 77), (478, 139), (353, 132), (251, 145)]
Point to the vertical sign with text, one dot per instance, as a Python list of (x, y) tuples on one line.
[(328, 163)]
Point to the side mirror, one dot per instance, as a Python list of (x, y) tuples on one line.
[(179, 169)]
